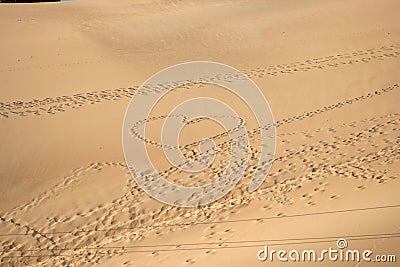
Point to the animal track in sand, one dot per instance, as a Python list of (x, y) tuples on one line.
[(171, 215), (302, 164), (190, 261), (252, 132), (63, 103), (127, 263), (311, 203), (51, 66), (210, 252), (98, 166)]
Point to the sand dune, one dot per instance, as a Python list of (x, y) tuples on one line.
[(68, 70)]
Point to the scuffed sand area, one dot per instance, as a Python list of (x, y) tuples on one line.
[(330, 72)]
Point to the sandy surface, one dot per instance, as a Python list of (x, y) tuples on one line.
[(68, 71)]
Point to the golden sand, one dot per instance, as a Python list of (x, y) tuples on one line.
[(329, 70)]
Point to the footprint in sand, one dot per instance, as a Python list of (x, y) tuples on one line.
[(190, 261), (210, 252), (361, 187), (311, 203)]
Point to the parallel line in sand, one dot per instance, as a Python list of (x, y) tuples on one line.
[(214, 222), (203, 243), (262, 242)]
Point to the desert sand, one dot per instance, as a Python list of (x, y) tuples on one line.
[(68, 71)]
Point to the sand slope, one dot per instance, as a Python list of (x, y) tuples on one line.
[(328, 69)]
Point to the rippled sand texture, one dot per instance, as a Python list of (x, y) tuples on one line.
[(329, 69)]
